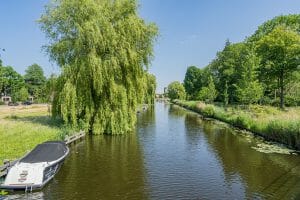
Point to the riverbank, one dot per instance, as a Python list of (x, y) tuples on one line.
[(23, 127), (266, 121)]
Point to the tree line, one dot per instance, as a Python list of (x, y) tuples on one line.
[(19, 88), (264, 68)]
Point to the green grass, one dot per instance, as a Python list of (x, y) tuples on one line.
[(269, 122), (22, 128)]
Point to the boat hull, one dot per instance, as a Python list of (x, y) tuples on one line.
[(28, 175), (31, 187)]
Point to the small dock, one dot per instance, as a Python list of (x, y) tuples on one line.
[(7, 164), (73, 138)]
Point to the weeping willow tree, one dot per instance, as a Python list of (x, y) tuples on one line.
[(150, 87), (104, 49)]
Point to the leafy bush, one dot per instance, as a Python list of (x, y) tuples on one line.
[(243, 121), (265, 100), (291, 101), (208, 111), (275, 102), (209, 93), (176, 91)]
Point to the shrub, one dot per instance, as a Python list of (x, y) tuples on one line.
[(266, 121), (220, 114), (291, 101), (176, 91), (243, 121), (286, 132), (265, 100), (208, 111)]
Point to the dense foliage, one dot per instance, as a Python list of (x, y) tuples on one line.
[(35, 82), (259, 70), (19, 87), (176, 91), (10, 82), (104, 49), (208, 93), (280, 53), (192, 81)]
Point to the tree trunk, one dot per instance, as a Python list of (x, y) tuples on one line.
[(281, 91)]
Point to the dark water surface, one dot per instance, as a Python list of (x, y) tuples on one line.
[(173, 155)]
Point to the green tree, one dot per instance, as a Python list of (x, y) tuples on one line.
[(192, 81), (35, 81), (176, 91), (250, 93), (291, 21), (104, 49), (208, 93), (226, 69), (248, 88), (293, 89), (280, 50), (12, 82), (22, 94)]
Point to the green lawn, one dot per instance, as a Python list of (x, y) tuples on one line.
[(23, 127)]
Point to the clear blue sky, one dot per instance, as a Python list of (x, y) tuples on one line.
[(191, 31)]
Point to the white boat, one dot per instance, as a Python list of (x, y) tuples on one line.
[(37, 168)]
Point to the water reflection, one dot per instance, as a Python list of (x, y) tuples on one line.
[(175, 111), (145, 118), (266, 176), (103, 167), (174, 154)]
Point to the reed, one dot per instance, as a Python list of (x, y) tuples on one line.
[(269, 122)]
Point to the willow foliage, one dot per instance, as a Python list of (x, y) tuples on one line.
[(150, 86), (104, 49)]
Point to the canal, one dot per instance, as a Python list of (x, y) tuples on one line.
[(174, 154)]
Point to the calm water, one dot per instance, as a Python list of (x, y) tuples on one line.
[(173, 155)]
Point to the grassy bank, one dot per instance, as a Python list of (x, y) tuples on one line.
[(23, 127), (269, 122)]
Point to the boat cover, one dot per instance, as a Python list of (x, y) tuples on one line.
[(46, 152)]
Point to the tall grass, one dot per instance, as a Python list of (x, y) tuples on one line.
[(269, 122)]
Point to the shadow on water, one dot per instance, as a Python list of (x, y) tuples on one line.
[(176, 111), (267, 176), (102, 167), (99, 167), (174, 154)]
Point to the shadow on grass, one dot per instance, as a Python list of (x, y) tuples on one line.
[(42, 120)]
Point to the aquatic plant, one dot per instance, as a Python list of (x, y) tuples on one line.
[(269, 122)]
